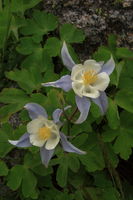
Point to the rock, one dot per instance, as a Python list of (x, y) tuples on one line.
[(97, 18)]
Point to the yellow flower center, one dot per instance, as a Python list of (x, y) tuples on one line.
[(44, 133), (89, 77)]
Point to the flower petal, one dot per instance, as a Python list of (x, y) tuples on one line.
[(64, 82), (36, 141), (109, 66), (102, 81), (83, 105), (34, 125), (90, 91), (46, 155), (68, 147), (52, 142), (57, 114), (77, 72), (35, 110), (22, 142), (66, 58), (78, 88), (92, 65), (102, 102)]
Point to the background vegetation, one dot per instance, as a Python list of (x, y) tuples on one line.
[(30, 44)]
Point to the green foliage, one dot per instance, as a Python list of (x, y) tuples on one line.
[(14, 180), (3, 168), (6, 131), (124, 99), (113, 115), (41, 24), (30, 46), (124, 53), (28, 79), (62, 172), (74, 35)]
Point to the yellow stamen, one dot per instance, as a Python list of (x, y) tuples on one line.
[(89, 77), (44, 133)]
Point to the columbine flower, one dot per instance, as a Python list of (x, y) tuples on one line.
[(88, 81), (44, 133)]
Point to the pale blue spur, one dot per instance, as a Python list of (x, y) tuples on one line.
[(45, 133), (89, 82)]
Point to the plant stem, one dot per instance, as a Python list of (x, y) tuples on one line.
[(112, 171), (73, 114)]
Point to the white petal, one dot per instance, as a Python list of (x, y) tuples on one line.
[(78, 88), (77, 72), (91, 92), (52, 142), (34, 140), (35, 124), (102, 81), (92, 65)]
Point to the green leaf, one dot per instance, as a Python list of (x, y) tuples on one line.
[(7, 110), (79, 195), (52, 94), (40, 24), (71, 34), (124, 99), (42, 170), (3, 168), (15, 177), (5, 133), (115, 76), (101, 180), (124, 53), (27, 46), (80, 140), (13, 95), (119, 68), (24, 116), (102, 194), (39, 59), (113, 115), (109, 135), (126, 78), (102, 54), (4, 23), (16, 23), (28, 79), (112, 39), (111, 155), (73, 163), (96, 113), (50, 43), (22, 5), (28, 183), (62, 171), (111, 194), (124, 142), (126, 120), (39, 98), (93, 160), (31, 160)]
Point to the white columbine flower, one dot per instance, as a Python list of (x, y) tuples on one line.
[(44, 133), (88, 81)]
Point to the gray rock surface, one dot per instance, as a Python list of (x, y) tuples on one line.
[(98, 18)]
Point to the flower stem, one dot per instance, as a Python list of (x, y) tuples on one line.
[(112, 171)]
